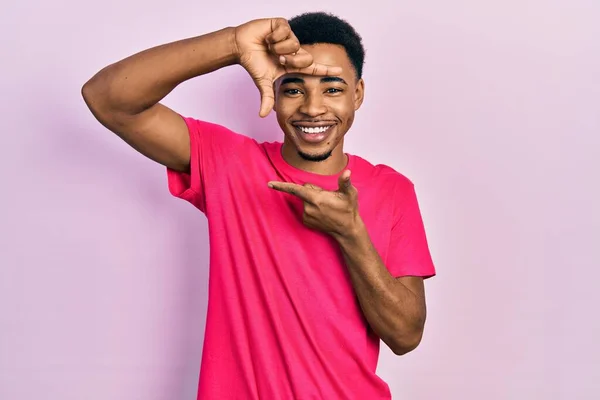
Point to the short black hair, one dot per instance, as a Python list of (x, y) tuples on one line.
[(320, 27)]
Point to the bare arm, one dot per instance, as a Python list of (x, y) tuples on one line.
[(125, 96), (394, 307)]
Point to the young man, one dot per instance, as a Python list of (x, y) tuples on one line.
[(309, 266)]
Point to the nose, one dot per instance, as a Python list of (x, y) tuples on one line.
[(313, 105)]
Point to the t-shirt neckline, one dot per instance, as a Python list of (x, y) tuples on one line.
[(302, 175)]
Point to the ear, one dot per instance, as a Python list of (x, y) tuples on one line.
[(359, 94)]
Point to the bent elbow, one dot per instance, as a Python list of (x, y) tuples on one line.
[(402, 350), (89, 92), (87, 89), (96, 95), (96, 87), (405, 345)]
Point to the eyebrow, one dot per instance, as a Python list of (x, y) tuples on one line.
[(325, 79)]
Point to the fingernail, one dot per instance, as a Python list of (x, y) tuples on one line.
[(282, 60)]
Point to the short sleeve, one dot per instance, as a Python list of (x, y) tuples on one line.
[(210, 144), (408, 253)]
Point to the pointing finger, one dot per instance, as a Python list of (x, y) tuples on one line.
[(303, 192)]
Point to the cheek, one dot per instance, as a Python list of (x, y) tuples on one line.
[(344, 109), (285, 104), (282, 109)]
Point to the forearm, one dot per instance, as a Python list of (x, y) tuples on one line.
[(138, 82), (392, 310)]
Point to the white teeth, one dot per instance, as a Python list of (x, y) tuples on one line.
[(320, 129)]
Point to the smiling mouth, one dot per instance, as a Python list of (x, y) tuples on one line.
[(313, 129), (314, 134)]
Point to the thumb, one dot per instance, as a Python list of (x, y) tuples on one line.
[(344, 183), (267, 96)]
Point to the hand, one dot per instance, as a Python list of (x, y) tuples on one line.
[(268, 49), (335, 213)]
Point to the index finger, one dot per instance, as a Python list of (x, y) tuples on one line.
[(302, 62), (321, 70), (297, 190)]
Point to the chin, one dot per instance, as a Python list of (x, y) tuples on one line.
[(315, 151), (314, 156)]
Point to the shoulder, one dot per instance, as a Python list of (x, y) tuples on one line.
[(381, 175), (216, 135), (206, 127)]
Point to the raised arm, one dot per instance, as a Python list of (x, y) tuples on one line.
[(124, 96)]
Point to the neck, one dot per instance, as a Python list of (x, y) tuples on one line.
[(331, 166)]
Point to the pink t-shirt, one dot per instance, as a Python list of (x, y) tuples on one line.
[(283, 321)]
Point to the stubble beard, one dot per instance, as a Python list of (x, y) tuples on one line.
[(315, 157)]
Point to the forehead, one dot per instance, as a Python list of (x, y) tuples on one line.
[(329, 54), (334, 55)]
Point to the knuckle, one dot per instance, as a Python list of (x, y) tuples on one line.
[(284, 25)]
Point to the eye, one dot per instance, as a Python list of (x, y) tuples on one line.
[(334, 90), (292, 92)]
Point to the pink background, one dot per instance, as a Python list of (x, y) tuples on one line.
[(491, 107)]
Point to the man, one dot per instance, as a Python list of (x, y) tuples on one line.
[(315, 254)]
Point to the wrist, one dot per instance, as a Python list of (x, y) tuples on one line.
[(233, 44), (352, 232)]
